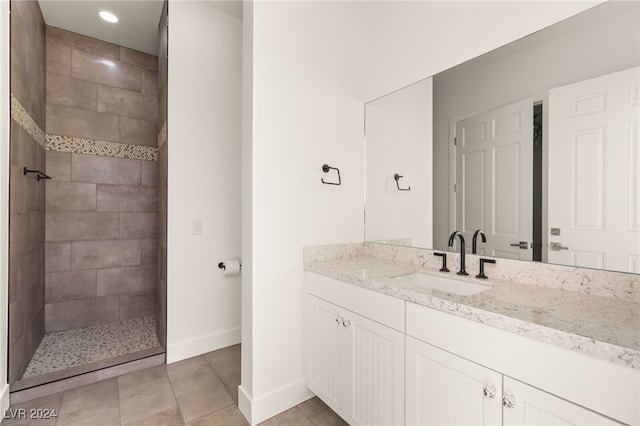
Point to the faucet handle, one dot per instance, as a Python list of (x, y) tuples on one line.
[(444, 261), (481, 274)]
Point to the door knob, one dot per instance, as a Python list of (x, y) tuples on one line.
[(557, 247), (521, 244)]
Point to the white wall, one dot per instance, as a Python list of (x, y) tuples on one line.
[(245, 391), (399, 136), (307, 110), (204, 167), (314, 65), (4, 199), (409, 41)]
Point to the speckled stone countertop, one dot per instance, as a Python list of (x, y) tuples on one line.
[(606, 328)]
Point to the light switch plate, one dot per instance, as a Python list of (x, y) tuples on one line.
[(196, 227)]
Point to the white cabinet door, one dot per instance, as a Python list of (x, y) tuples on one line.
[(533, 407), (326, 348), (376, 356), (355, 365), (444, 389)]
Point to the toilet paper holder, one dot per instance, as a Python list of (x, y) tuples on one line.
[(221, 265)]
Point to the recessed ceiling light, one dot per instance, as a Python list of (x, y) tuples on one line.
[(108, 16)]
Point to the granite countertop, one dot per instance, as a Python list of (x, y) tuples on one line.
[(602, 327)]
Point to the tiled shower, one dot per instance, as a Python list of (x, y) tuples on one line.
[(88, 246)]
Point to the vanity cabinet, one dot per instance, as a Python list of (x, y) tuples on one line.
[(447, 390), (472, 373), (356, 364), (378, 360), (444, 389)]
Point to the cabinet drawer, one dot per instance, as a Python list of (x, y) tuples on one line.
[(379, 307)]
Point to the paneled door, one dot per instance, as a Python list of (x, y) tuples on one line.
[(494, 179), (594, 181)]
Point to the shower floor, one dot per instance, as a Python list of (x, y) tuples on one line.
[(74, 348)]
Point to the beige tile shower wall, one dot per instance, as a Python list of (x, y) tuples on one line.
[(26, 198), (101, 212)]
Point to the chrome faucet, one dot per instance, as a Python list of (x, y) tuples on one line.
[(452, 237), (474, 243)]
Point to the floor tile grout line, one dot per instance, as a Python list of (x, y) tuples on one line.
[(173, 392)]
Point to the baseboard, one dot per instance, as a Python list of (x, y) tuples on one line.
[(244, 403), (257, 410), (203, 344), (4, 400)]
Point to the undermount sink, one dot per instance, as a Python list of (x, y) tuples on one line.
[(418, 280)]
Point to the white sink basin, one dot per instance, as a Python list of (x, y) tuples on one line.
[(418, 280)]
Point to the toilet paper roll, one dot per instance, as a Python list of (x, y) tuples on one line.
[(231, 267)]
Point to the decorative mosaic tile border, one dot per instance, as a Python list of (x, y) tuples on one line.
[(162, 135), (81, 145), (104, 148), (24, 119)]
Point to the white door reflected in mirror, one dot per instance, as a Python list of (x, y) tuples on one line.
[(594, 155)]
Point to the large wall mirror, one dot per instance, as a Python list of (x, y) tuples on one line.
[(536, 143)]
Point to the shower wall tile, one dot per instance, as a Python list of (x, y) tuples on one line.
[(150, 82), (150, 173), (26, 194), (95, 68), (14, 290), (161, 272), (58, 58), (71, 285), (127, 103), (133, 279), (136, 305), (70, 196), (16, 320), (101, 248), (138, 132), (83, 43), (18, 358), (125, 198), (96, 169), (148, 251), (138, 225), (72, 92), (82, 123), (144, 60), (57, 257), (59, 165), (81, 313), (104, 254), (28, 50), (81, 226)]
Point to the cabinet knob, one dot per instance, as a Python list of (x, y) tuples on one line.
[(489, 391), (346, 323), (509, 401), (340, 321)]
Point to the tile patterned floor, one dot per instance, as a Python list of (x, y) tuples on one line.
[(199, 391), (71, 348)]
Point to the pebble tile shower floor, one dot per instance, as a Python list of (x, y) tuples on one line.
[(72, 348)]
